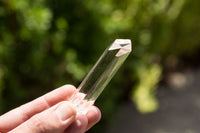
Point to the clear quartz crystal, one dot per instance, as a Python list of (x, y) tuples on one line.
[(101, 73)]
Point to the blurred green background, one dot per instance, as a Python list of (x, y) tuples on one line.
[(47, 43)]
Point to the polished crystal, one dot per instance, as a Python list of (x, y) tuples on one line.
[(103, 71)]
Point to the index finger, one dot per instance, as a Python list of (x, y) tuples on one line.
[(19, 115)]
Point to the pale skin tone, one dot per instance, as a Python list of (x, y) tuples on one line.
[(50, 113)]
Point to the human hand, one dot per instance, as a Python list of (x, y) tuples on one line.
[(51, 113)]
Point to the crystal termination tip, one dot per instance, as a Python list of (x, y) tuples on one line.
[(124, 46)]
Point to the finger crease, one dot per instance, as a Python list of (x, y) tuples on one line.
[(25, 115), (46, 102)]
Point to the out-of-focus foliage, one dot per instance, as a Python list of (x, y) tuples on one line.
[(1, 83), (48, 43), (143, 92)]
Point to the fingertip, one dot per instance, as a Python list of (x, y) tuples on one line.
[(68, 89), (93, 115), (69, 86)]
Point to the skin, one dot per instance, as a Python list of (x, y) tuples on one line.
[(50, 113)]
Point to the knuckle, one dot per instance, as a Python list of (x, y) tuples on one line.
[(45, 101), (25, 115), (37, 124)]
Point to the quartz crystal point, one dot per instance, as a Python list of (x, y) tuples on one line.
[(104, 69)]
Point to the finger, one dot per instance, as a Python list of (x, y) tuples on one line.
[(17, 116), (93, 115), (53, 120), (79, 125)]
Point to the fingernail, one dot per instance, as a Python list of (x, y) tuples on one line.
[(65, 112)]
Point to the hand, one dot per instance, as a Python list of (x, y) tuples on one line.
[(51, 113)]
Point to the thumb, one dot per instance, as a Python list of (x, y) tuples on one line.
[(54, 120)]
